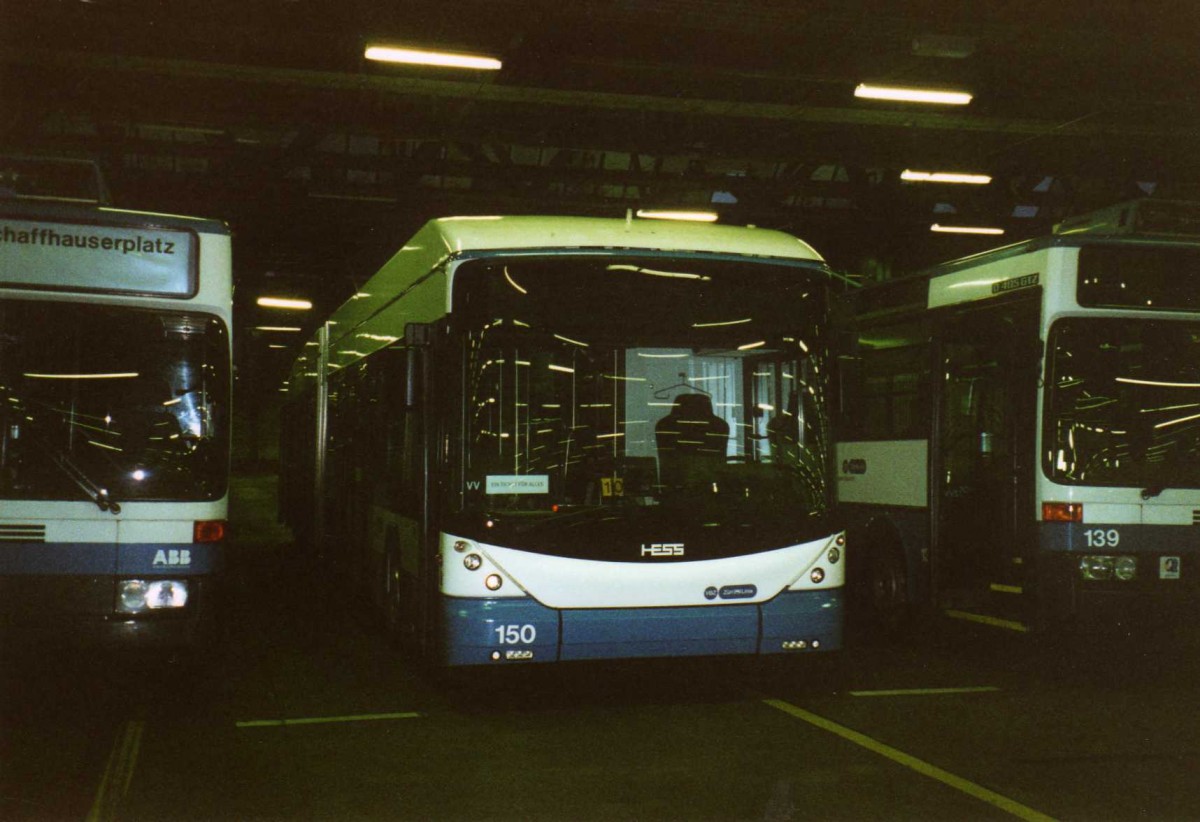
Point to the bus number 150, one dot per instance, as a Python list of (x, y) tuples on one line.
[(515, 634)]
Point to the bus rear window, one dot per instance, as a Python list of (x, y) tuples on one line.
[(1139, 277)]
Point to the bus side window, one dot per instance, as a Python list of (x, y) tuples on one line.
[(886, 388)]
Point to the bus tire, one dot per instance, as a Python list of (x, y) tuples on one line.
[(393, 602), (888, 611), (889, 589)]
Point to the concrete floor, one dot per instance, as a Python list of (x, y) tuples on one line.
[(311, 714)]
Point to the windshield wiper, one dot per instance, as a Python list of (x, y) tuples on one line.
[(95, 492)]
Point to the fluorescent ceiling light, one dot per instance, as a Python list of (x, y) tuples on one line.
[(964, 229), (357, 197), (283, 302), (275, 328), (912, 95), (121, 375), (944, 177), (421, 57), (692, 216)]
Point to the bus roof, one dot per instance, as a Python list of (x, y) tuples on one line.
[(455, 237), (68, 212), (451, 237), (1138, 222)]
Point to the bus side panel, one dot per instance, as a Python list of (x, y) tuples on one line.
[(483, 631), (911, 529), (884, 485), (814, 618)]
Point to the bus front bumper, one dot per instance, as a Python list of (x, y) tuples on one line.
[(483, 632)]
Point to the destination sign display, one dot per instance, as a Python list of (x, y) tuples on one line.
[(85, 257)]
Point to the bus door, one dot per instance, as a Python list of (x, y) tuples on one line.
[(984, 453), (403, 538)]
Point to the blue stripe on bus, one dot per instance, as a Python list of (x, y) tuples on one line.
[(102, 558), (1130, 538), (477, 629), (504, 630), (607, 633), (802, 615)]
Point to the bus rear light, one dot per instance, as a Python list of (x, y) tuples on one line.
[(1062, 512), (208, 530)]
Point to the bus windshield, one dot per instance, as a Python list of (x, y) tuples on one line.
[(129, 402), (1123, 406), (615, 404)]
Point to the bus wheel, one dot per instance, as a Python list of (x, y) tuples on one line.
[(889, 607), (393, 606)]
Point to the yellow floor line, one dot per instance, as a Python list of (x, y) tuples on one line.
[(983, 619), (968, 787), (323, 720), (979, 689), (118, 772)]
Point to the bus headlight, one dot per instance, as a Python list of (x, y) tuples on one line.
[(472, 562), (817, 575), (137, 595), (1125, 568), (131, 596), (493, 582), (833, 554), (1096, 568)]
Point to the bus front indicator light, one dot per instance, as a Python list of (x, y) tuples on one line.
[(209, 530), (1062, 512)]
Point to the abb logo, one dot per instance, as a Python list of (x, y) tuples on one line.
[(180, 556)]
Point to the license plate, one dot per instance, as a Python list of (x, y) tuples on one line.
[(1168, 567)]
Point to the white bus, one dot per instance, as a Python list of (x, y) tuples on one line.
[(553, 438), (1021, 444), (114, 422)]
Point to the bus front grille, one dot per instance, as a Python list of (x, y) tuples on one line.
[(15, 532)]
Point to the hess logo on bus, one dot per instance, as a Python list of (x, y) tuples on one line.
[(662, 549)]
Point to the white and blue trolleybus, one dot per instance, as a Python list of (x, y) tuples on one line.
[(1021, 439), (114, 422), (542, 439)]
